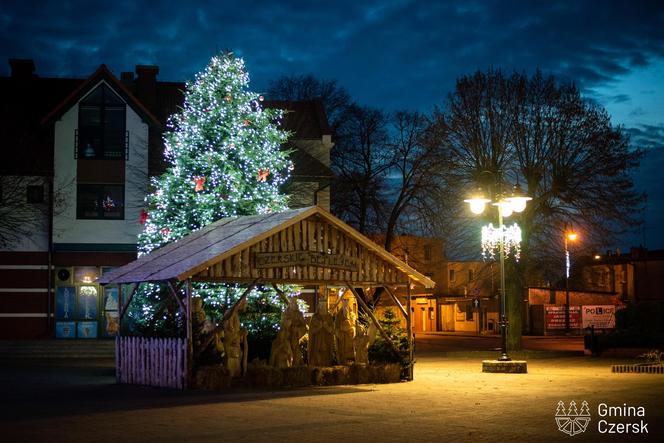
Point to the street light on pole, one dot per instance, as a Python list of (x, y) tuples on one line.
[(570, 236), (506, 205)]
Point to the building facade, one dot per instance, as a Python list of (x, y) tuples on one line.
[(79, 154)]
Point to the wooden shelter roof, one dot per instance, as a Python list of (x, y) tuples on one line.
[(299, 246)]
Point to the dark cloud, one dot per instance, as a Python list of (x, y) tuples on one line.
[(374, 48), (647, 136), (621, 98)]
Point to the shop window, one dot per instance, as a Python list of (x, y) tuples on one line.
[(101, 130), (469, 312), (100, 202)]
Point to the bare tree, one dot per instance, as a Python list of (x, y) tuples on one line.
[(572, 161), (417, 168), (22, 217), (335, 98), (361, 161)]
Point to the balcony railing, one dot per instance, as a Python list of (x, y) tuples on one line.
[(101, 153)]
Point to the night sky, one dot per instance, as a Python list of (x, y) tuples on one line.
[(390, 54)]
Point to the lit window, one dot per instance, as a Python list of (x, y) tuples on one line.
[(101, 125), (100, 202)]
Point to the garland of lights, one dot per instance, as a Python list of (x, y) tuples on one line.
[(224, 158), (491, 237)]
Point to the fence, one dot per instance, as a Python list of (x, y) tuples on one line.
[(151, 361)]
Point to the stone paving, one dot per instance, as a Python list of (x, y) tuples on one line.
[(450, 400)]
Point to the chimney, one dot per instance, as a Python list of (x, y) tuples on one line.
[(127, 79), (146, 85), (22, 67)]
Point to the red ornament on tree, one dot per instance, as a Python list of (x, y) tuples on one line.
[(262, 174), (199, 181), (247, 122), (144, 217), (165, 231)]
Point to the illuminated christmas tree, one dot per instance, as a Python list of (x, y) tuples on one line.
[(224, 157)]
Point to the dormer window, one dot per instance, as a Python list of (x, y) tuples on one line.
[(101, 125)]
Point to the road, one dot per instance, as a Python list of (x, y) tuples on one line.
[(451, 342)]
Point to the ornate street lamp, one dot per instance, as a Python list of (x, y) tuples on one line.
[(568, 235), (506, 238)]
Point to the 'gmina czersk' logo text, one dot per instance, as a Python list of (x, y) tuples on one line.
[(570, 420), (624, 419)]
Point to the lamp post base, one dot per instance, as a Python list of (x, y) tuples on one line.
[(505, 367)]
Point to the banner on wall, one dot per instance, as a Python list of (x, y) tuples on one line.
[(599, 316), (65, 329), (86, 329), (87, 302), (554, 317), (65, 303), (110, 316)]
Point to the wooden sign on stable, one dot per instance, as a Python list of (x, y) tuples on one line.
[(305, 258)]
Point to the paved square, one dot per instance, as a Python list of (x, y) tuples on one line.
[(450, 400)]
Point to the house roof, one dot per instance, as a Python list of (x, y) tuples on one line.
[(305, 118), (30, 101), (208, 247), (102, 73), (26, 149)]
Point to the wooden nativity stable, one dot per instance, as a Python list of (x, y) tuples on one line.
[(305, 247)]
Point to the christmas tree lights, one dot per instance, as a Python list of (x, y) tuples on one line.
[(224, 157)]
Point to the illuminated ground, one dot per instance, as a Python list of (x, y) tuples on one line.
[(450, 400)]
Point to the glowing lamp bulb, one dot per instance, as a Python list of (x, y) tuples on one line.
[(477, 206), (518, 204), (505, 208)]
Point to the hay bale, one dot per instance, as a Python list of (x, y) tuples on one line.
[(264, 376), (296, 376), (213, 377), (359, 374), (330, 376), (385, 373)]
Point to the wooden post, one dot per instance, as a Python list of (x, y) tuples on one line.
[(409, 327), (123, 307), (283, 297), (174, 292), (396, 302), (118, 341), (246, 292), (374, 320), (190, 344)]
